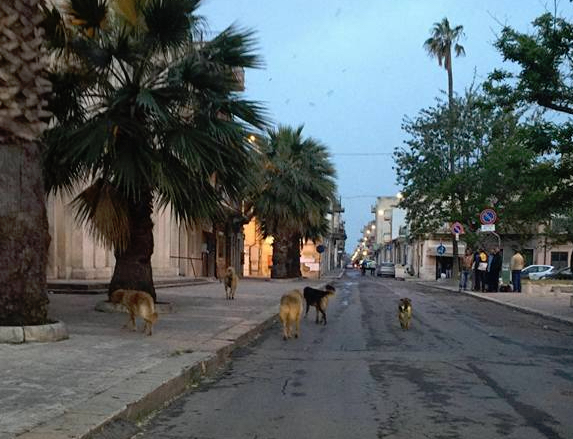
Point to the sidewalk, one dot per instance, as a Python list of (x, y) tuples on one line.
[(104, 375), (554, 306)]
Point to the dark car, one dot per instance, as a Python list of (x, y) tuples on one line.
[(561, 274)]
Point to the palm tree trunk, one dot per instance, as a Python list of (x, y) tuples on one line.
[(133, 265), (455, 251), (280, 257), (24, 235), (293, 265)]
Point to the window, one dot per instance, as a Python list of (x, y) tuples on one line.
[(559, 259)]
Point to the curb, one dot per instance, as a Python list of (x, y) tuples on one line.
[(116, 411), (506, 304), (49, 332)]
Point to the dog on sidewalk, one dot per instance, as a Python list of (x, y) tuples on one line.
[(231, 281), (138, 304), (290, 312), (405, 313), (318, 299)]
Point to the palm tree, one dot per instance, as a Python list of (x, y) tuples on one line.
[(297, 184), (439, 46), (147, 115), (23, 222)]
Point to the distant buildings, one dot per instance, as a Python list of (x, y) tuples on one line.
[(430, 256)]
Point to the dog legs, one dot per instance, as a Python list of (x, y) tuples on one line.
[(147, 328), (321, 311), (131, 322), (285, 323)]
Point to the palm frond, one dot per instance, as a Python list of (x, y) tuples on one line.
[(89, 15), (168, 22), (103, 210), (233, 47)]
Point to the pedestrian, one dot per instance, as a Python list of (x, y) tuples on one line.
[(516, 265), (494, 268), (482, 270), (467, 263), (363, 267), (476, 285)]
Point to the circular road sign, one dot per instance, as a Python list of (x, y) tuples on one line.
[(488, 216), (320, 248), (440, 249), (458, 228)]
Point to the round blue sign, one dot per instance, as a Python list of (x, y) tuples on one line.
[(320, 248), (440, 250)]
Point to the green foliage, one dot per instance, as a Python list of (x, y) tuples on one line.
[(543, 83), (490, 166), (297, 185), (142, 105), (443, 39)]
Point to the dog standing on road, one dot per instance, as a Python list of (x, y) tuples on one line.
[(231, 281), (405, 313), (318, 299), (138, 303), (290, 312)]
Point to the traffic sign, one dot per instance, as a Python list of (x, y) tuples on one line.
[(320, 248), (487, 228), (440, 249), (488, 216), (458, 228)]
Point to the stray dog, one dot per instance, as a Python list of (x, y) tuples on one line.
[(231, 280), (318, 299), (290, 312), (138, 303), (405, 313)]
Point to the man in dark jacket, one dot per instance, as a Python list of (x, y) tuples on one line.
[(494, 270)]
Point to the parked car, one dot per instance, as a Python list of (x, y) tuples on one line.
[(386, 269), (562, 273), (534, 272)]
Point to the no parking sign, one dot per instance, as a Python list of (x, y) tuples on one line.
[(488, 216), (457, 228)]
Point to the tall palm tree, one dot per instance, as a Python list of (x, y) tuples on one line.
[(297, 185), (439, 45), (147, 114), (24, 236)]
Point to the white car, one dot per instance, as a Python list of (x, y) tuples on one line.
[(535, 272)]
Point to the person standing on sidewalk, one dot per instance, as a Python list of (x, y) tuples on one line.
[(516, 265), (467, 263), (494, 269), (482, 270)]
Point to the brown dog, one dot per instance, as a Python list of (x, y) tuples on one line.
[(231, 281), (290, 312), (138, 303), (405, 313)]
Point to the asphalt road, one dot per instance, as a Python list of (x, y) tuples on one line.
[(466, 369)]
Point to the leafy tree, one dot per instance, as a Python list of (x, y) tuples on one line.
[(491, 166), (542, 83), (297, 186), (23, 222), (147, 114)]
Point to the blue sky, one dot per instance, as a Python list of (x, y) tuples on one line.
[(350, 70)]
